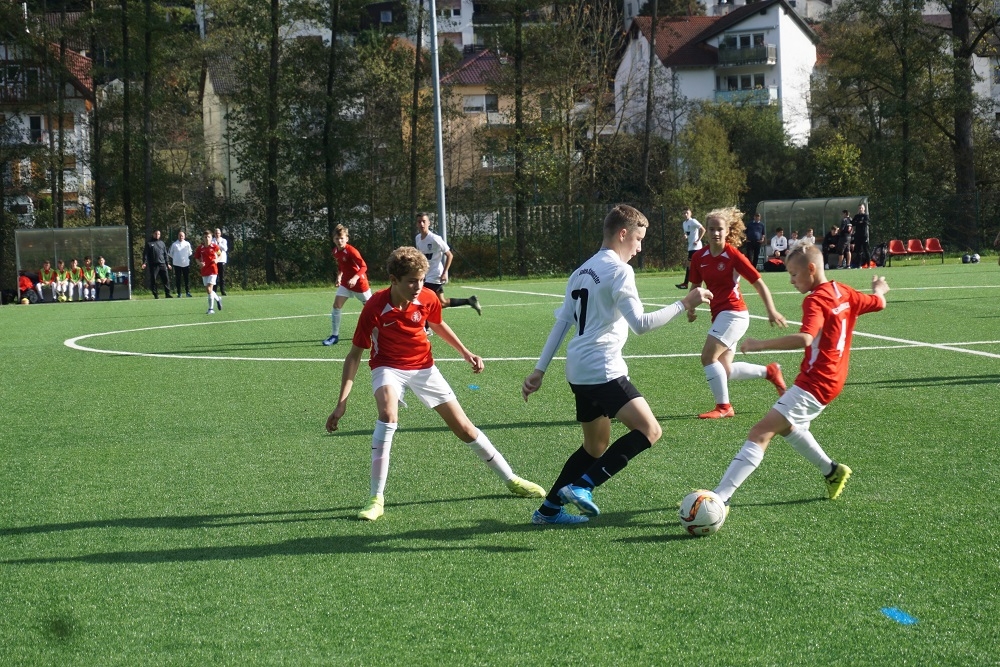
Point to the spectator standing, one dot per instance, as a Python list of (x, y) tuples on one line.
[(779, 244), (220, 262), (844, 242), (862, 230), (154, 255), (180, 257), (693, 231), (756, 235)]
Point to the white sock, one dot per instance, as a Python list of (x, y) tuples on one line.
[(335, 318), (489, 454), (211, 301), (381, 444), (804, 443), (741, 370), (715, 373), (743, 464)]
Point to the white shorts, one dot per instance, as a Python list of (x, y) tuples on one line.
[(427, 384), (209, 279), (729, 326), (799, 407), (361, 296)]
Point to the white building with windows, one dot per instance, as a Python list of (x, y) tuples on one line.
[(762, 54)]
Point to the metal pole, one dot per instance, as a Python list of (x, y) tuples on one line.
[(438, 142)]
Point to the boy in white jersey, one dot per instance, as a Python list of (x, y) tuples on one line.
[(693, 232), (603, 304), (439, 258)]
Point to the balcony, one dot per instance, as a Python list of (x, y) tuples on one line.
[(755, 97), (766, 54)]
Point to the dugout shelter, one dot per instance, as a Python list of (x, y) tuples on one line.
[(35, 246)]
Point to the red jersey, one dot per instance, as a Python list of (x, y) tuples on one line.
[(350, 264), (828, 315), (722, 276), (396, 337), (207, 254)]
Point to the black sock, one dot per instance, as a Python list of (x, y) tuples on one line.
[(577, 464), (616, 458), (457, 302)]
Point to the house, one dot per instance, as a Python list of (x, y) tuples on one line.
[(807, 9), (985, 64), (763, 54), (31, 127), (474, 109), (221, 82)]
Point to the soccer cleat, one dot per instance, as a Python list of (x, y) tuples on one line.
[(720, 412), (774, 377), (524, 488), (210, 312), (474, 302), (189, 294), (836, 480), (373, 510), (681, 286), (332, 340), (581, 497), (218, 303), (563, 518)]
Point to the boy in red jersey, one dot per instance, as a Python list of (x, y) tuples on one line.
[(205, 255), (75, 279), (829, 313), (392, 326), (352, 279), (720, 265)]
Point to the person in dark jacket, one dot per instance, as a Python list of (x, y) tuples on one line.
[(154, 255), (862, 230)]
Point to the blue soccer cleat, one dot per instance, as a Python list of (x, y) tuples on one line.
[(581, 497), (563, 518)]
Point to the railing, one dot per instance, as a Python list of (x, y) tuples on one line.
[(757, 96), (766, 54)]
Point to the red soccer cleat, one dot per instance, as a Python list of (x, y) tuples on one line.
[(775, 378), (720, 412)]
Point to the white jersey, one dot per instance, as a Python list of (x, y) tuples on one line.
[(434, 247), (223, 256), (691, 229), (596, 295), (180, 253)]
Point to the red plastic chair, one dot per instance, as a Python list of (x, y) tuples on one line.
[(934, 247), (915, 247), (895, 249)]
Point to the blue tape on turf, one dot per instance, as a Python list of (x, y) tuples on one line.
[(473, 386), (899, 615)]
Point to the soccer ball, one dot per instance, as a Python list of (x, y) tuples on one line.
[(966, 258), (25, 301), (702, 512), (62, 297), (975, 258)]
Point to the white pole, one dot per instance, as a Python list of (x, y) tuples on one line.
[(438, 142)]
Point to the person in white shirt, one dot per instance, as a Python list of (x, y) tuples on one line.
[(808, 238), (793, 240), (439, 257), (180, 256), (693, 231), (602, 303), (223, 257), (779, 244)]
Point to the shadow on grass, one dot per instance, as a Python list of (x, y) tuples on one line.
[(240, 347), (444, 429), (407, 541), (939, 381)]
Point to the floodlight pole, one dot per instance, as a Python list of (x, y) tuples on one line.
[(438, 142)]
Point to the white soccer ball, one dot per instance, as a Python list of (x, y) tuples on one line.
[(702, 512), (975, 258)]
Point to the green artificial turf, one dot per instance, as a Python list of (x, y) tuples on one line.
[(182, 504)]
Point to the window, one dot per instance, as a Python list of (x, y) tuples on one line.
[(739, 82), (35, 128), (758, 80), (480, 103), (742, 40), (385, 16)]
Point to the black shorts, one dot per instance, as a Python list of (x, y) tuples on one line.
[(602, 400), (437, 288)]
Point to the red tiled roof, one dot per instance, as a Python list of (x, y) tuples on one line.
[(476, 69), (675, 35), (79, 68)]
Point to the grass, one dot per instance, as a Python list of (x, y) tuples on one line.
[(185, 507)]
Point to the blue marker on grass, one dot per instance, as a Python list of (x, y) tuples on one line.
[(899, 616)]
